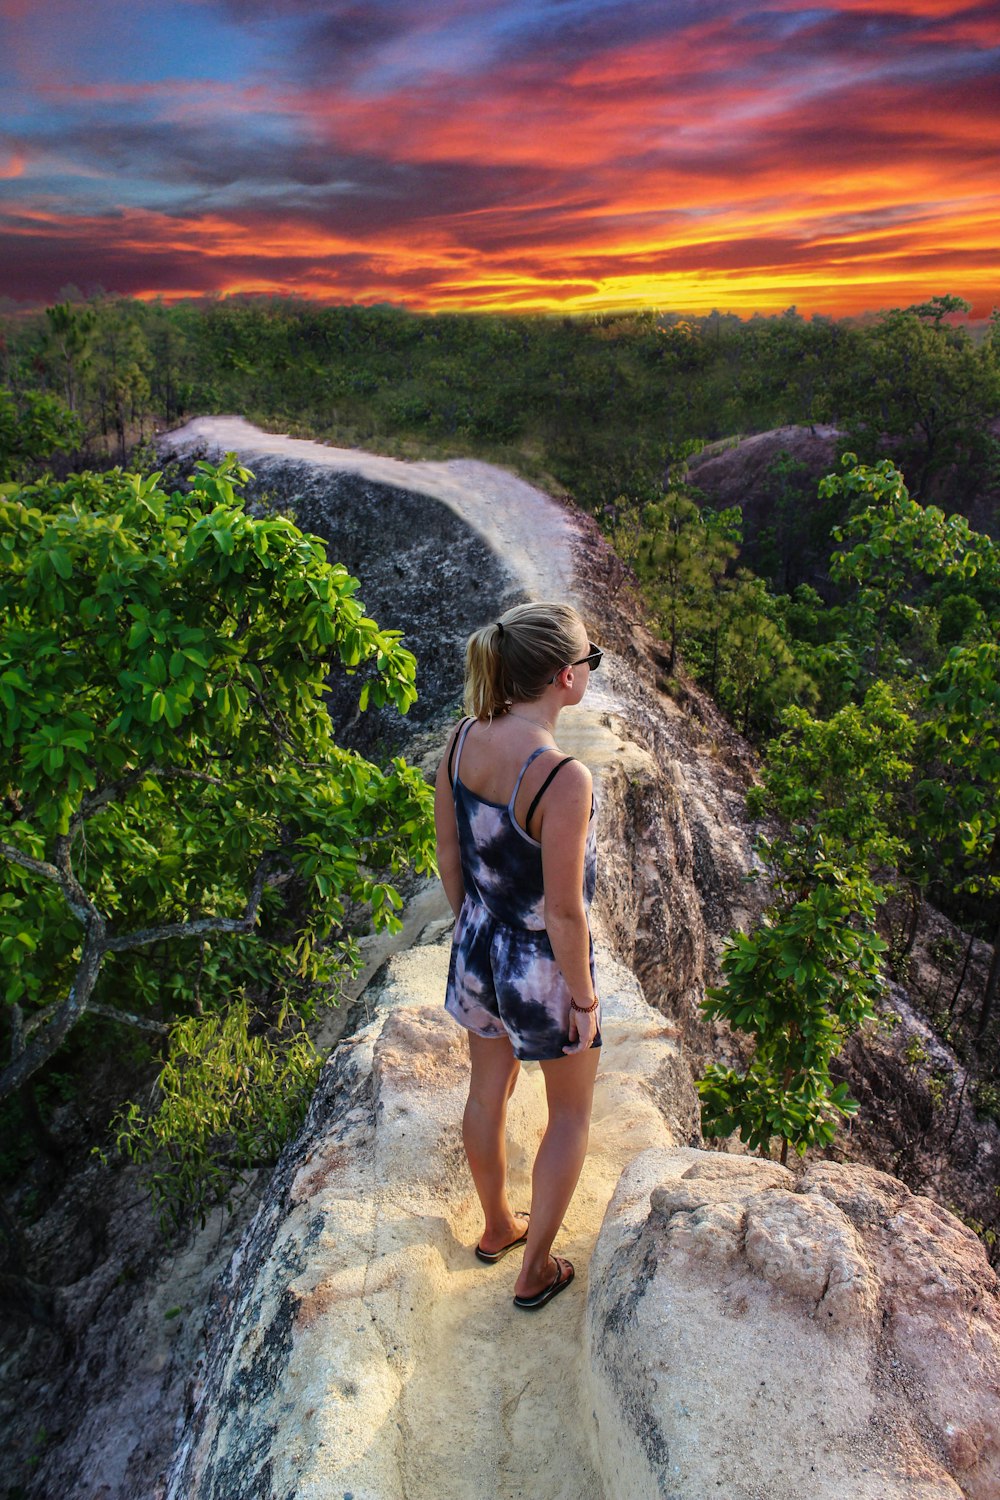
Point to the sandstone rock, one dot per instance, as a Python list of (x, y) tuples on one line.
[(748, 1334), (830, 1336), (356, 1342)]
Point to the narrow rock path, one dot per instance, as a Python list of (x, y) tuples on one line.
[(495, 1401), (410, 1374), (495, 1404)]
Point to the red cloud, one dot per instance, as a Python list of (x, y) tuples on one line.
[(744, 161)]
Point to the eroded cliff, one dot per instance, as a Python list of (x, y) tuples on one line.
[(356, 1347)]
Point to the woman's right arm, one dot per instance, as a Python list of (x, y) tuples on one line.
[(448, 856)]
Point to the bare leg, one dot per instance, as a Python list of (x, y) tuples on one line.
[(494, 1074), (569, 1088)]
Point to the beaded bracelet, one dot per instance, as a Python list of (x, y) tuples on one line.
[(584, 1010)]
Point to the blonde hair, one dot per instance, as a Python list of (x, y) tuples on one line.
[(514, 659)]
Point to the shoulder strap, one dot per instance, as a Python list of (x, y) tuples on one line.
[(456, 746), (541, 750), (538, 795)]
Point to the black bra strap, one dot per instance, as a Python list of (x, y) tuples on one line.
[(451, 753), (538, 795)]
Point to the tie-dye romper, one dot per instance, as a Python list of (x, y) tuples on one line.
[(503, 976)]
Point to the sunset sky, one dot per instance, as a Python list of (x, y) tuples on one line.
[(537, 154)]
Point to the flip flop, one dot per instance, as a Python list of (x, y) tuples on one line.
[(564, 1275), (492, 1256)]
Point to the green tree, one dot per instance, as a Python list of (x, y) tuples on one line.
[(70, 331), (121, 367), (894, 550), (811, 972), (178, 826), (789, 537), (799, 985), (924, 386), (758, 672), (956, 805), (680, 556), (31, 430)]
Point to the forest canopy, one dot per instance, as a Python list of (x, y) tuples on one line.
[(601, 406), (857, 629), (182, 839)]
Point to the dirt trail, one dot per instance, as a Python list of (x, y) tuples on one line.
[(528, 531)]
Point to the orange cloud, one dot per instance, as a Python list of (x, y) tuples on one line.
[(12, 164), (840, 158)]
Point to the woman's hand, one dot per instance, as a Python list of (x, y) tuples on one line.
[(582, 1029)]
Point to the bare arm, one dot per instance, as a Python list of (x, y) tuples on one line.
[(449, 859), (565, 816)]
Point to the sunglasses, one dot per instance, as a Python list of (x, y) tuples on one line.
[(592, 660)]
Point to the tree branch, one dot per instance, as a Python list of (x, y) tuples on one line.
[(59, 873), (59, 1019), (116, 789), (27, 1059), (201, 926), (77, 899), (35, 866), (23, 1029), (281, 733), (170, 773), (128, 1018), (105, 794)]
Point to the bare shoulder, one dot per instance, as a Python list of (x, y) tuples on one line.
[(453, 736), (444, 765), (575, 774), (572, 787)]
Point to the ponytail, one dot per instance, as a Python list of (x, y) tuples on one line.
[(514, 659), (486, 693)]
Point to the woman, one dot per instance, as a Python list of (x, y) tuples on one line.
[(515, 831)]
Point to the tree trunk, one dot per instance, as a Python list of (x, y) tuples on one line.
[(958, 1108), (916, 908), (747, 704), (961, 977), (990, 992), (715, 661)]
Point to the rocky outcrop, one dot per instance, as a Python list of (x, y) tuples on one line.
[(740, 470), (734, 1329), (356, 1346), (764, 1336), (774, 478)]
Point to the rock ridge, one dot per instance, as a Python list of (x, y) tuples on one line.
[(882, 1305), (735, 1329)]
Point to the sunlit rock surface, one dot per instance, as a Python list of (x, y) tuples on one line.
[(731, 1331), (760, 1336), (355, 1344)]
